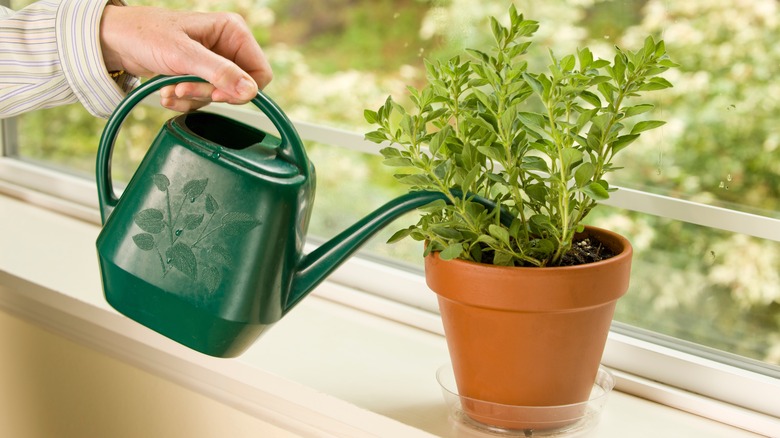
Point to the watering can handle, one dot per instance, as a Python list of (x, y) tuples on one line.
[(290, 147)]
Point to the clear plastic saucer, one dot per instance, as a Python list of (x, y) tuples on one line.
[(495, 419)]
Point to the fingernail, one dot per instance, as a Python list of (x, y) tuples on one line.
[(246, 87)]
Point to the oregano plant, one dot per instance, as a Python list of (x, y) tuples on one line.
[(537, 144)]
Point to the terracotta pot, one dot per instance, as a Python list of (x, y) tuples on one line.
[(528, 336)]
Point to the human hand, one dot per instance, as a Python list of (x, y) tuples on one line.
[(218, 47)]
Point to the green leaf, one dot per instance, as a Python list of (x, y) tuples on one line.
[(618, 70), (482, 97), (398, 162), (399, 235), (145, 241), (446, 232), (667, 63), (182, 258), (500, 233), (534, 83), (491, 152), (585, 117), (649, 47), (475, 252), (591, 98), (370, 116), (596, 80), (542, 248), (470, 177), (570, 156), (390, 152), (487, 239), (473, 209), (584, 173), (586, 58), (376, 136), (451, 252), (497, 29), (237, 223), (531, 162), (568, 62), (195, 188), (596, 191), (532, 120), (541, 224), (443, 169), (433, 207), (414, 179), (481, 121), (192, 221), (655, 84), (621, 142), (537, 192), (638, 109), (503, 259), (161, 181), (407, 124), (646, 125), (211, 204), (508, 118), (150, 220), (439, 138), (608, 91)]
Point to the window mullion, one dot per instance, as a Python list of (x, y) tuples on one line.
[(763, 227)]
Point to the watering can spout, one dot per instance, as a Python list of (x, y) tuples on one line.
[(318, 264)]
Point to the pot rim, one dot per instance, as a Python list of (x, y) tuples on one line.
[(619, 244), (533, 289)]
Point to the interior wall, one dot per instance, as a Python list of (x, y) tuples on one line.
[(53, 387)]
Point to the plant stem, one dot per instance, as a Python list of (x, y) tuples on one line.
[(563, 199)]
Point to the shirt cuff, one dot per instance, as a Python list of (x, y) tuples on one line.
[(78, 43)]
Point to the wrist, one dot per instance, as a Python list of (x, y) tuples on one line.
[(110, 38)]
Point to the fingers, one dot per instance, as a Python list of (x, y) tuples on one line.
[(240, 46), (232, 84), (193, 97), (229, 56), (181, 105), (206, 92), (194, 90), (189, 96)]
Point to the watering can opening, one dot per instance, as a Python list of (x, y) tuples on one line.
[(222, 131), (220, 137)]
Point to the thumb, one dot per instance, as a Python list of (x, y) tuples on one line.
[(231, 82)]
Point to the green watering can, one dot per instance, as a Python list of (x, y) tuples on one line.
[(205, 245)]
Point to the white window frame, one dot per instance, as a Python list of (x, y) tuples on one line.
[(713, 384)]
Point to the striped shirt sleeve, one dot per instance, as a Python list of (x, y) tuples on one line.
[(50, 55)]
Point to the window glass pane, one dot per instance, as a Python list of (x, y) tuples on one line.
[(67, 138), (333, 59), (715, 288)]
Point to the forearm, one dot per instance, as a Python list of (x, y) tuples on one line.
[(52, 56)]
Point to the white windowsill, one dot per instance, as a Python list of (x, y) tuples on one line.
[(325, 370)]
